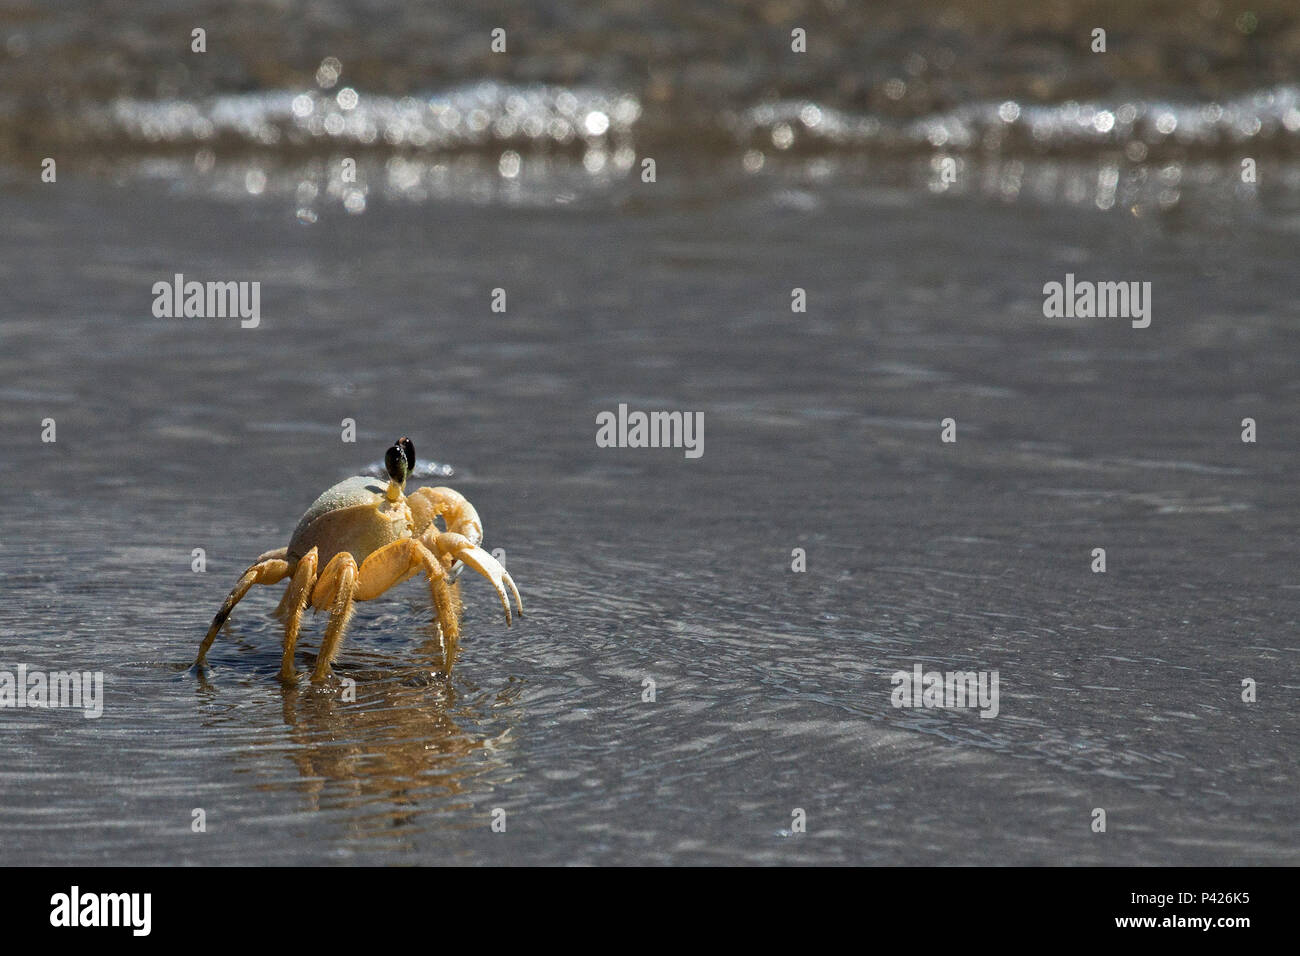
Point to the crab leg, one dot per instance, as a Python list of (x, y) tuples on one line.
[(457, 514), (294, 602), (265, 571), (394, 563), (334, 589), (458, 547), (462, 538)]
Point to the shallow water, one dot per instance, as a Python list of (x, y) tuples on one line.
[(1119, 690)]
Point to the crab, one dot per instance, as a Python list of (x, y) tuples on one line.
[(357, 540)]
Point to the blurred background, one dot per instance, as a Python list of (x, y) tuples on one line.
[(921, 171), (417, 91)]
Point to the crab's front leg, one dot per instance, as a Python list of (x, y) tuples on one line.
[(461, 540), (457, 514)]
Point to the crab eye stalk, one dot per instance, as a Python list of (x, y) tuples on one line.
[(408, 450), (396, 463)]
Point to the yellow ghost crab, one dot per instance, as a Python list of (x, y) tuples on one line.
[(360, 538)]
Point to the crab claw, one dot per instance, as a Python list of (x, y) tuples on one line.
[(460, 548)]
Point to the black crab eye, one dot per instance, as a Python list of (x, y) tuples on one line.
[(395, 463), (408, 450)]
